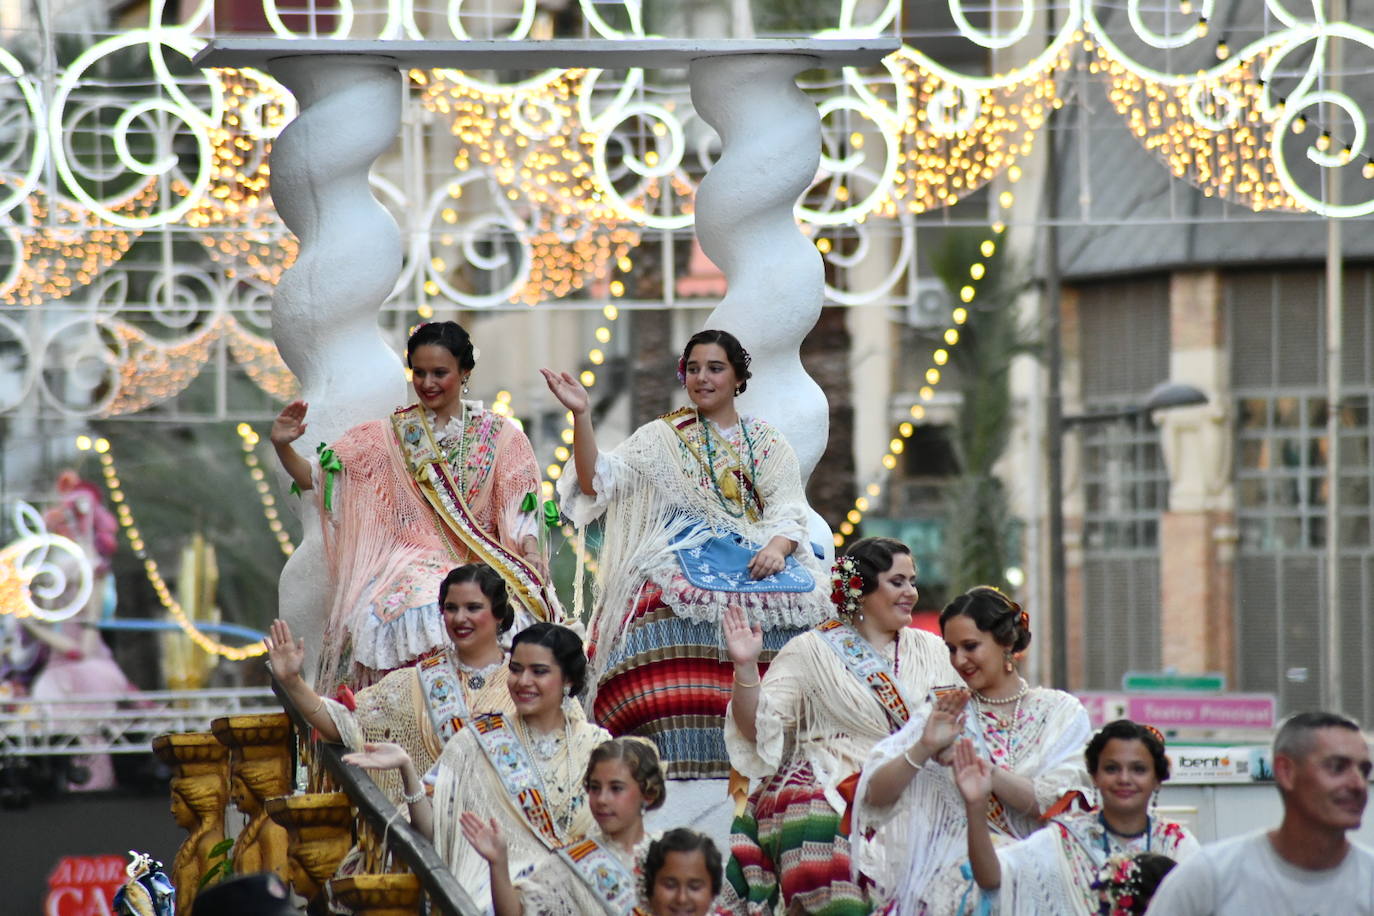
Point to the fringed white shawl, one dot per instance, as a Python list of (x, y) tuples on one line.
[(811, 706), (467, 782), (1052, 870), (925, 831), (654, 490)]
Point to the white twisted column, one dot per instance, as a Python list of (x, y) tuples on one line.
[(770, 147), (324, 312)]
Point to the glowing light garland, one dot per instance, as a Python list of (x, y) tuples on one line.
[(931, 377), (135, 538), (248, 441)]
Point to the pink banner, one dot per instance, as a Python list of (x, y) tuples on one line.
[(1223, 711), (1183, 710)]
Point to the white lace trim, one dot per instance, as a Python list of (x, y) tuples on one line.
[(382, 645)]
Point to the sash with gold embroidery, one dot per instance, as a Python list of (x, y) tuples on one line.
[(721, 463), (443, 692), (515, 769), (428, 467), (615, 887), (870, 668)]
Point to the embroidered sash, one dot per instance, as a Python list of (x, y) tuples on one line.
[(870, 668), (604, 874), (732, 482), (515, 769), (425, 462), (443, 693)]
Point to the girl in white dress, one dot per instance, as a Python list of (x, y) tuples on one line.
[(597, 873), (1060, 869)]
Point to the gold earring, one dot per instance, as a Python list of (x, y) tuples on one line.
[(1007, 662)]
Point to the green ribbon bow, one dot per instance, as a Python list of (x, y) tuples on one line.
[(552, 518), (330, 466)]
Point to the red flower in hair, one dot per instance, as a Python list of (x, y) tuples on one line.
[(856, 582)]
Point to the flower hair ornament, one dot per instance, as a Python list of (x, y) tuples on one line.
[(846, 586), (1123, 887), (682, 371)]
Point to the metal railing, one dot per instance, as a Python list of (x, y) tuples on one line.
[(402, 840), (125, 724)]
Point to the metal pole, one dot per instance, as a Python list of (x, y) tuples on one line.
[(1054, 426), (1331, 683)]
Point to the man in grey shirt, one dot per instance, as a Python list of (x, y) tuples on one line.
[(1306, 866)]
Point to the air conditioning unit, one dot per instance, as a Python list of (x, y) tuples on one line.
[(930, 306)]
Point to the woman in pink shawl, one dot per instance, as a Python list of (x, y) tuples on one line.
[(435, 485)]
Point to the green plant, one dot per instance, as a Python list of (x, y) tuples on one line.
[(979, 538), (220, 864)]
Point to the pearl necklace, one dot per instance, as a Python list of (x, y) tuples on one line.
[(1015, 698)]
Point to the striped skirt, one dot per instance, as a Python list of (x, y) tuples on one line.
[(669, 680), (789, 841)]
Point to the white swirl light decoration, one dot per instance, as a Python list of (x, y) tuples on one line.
[(952, 110), (15, 191), (80, 359), (196, 120), (519, 32), (888, 127), (634, 9), (1281, 129), (658, 163), (1167, 41), (463, 235), (876, 25), (1218, 97), (522, 109), (43, 566), (862, 252), (988, 39)]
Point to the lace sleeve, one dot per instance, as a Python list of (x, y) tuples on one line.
[(607, 480), (775, 720), (517, 476)]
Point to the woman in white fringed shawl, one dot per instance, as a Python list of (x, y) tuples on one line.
[(705, 509), (805, 728), (1033, 738)]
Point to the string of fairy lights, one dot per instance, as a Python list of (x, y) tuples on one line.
[(125, 516), (248, 441), (931, 378)]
